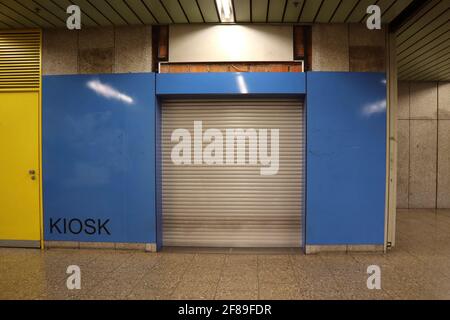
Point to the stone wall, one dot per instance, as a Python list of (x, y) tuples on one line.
[(97, 50), (423, 172), (348, 47)]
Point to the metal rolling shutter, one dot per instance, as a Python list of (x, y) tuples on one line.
[(234, 206)]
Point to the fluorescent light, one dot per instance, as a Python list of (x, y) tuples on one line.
[(225, 8)]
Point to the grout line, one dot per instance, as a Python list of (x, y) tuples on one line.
[(296, 274), (225, 257), (409, 143), (257, 276), (99, 281), (172, 292), (437, 144), (332, 272), (139, 280)]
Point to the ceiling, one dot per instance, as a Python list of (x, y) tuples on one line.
[(52, 13), (423, 42)]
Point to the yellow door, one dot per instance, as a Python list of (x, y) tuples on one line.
[(19, 169)]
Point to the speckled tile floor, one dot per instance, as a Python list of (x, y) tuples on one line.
[(417, 268)]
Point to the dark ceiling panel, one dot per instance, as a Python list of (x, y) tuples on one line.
[(276, 10), (327, 10), (6, 20), (419, 15), (14, 11), (192, 11), (139, 8), (121, 12), (395, 10), (3, 26), (107, 10), (408, 64), (209, 10), (125, 12), (428, 33), (359, 12), (88, 10), (432, 14), (435, 73), (242, 10), (411, 69), (37, 10), (427, 50), (158, 11), (310, 10), (436, 62), (293, 10), (343, 10), (175, 11), (58, 9), (259, 10)]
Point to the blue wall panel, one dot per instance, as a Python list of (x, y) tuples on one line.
[(231, 83), (99, 158), (346, 158)]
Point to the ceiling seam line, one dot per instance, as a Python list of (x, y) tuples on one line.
[(184, 12), (429, 50), (429, 42), (351, 11), (284, 10), (366, 14), (26, 8), (117, 12), (301, 11), (167, 11), (334, 12), (318, 11), (200, 9), (132, 10), (410, 68), (50, 12), (444, 12), (418, 18), (32, 22), (84, 13), (149, 11), (437, 28), (413, 62), (99, 11), (387, 9), (18, 22)]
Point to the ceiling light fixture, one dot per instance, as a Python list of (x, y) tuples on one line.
[(225, 8)]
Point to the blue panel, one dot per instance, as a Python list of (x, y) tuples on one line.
[(99, 158), (346, 158), (283, 83)]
